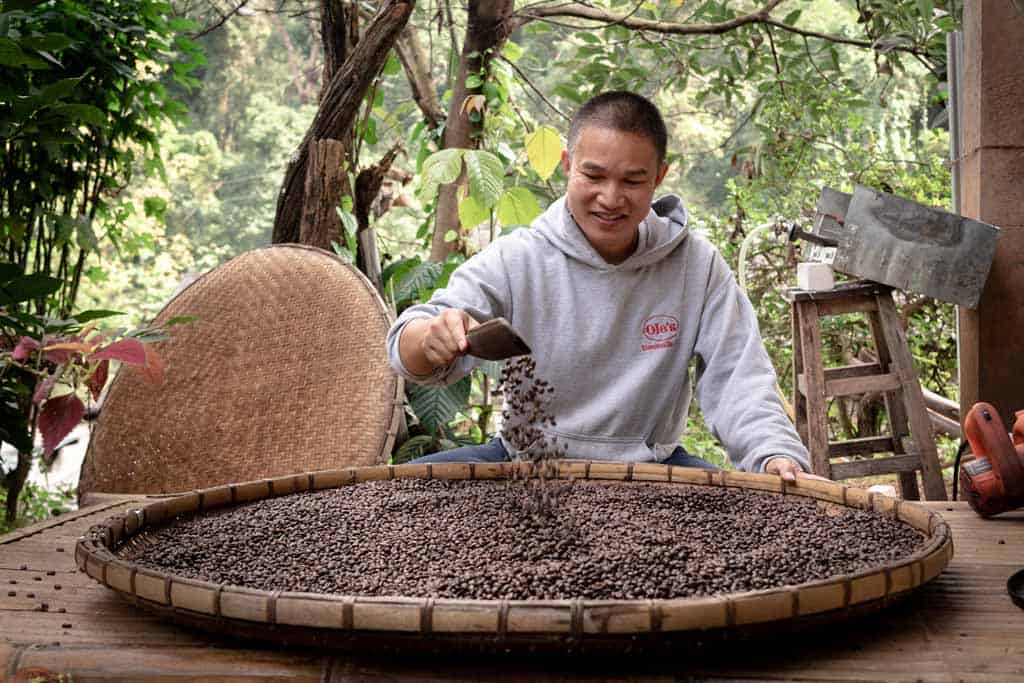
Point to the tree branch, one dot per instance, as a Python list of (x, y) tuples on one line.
[(581, 11), (544, 12)]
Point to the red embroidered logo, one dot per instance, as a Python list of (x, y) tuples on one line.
[(659, 331)]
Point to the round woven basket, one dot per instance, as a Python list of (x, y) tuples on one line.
[(284, 370), (328, 620)]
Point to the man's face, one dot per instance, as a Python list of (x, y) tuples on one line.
[(612, 177)]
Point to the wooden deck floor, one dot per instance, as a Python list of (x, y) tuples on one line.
[(961, 627)]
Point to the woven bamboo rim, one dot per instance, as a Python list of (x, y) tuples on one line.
[(230, 608), (285, 362)]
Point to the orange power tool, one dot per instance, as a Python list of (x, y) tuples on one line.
[(994, 481)]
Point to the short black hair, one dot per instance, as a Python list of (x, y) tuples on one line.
[(624, 111)]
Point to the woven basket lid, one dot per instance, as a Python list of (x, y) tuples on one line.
[(283, 371)]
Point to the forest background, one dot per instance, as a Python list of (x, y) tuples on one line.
[(766, 103)]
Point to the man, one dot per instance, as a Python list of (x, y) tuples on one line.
[(615, 297)]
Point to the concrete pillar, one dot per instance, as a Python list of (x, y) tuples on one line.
[(992, 190)]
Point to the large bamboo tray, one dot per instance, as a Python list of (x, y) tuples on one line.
[(327, 620)]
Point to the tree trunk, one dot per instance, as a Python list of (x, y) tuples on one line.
[(486, 32), (15, 481), (338, 109), (417, 71), (324, 188)]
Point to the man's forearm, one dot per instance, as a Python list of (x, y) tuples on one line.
[(410, 347)]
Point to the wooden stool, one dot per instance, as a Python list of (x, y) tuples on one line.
[(893, 375)]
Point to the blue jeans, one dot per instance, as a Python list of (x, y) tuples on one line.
[(495, 452)]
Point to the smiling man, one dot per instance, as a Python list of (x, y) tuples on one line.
[(617, 298)]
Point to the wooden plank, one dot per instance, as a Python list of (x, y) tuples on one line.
[(861, 385), (920, 426), (895, 407), (175, 663), (865, 468), (799, 400), (846, 305), (814, 374), (864, 445), (856, 370)]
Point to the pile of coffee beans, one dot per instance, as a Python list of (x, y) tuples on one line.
[(470, 540)]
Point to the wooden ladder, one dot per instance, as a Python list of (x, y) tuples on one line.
[(910, 440)]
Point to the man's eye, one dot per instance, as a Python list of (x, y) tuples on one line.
[(634, 182)]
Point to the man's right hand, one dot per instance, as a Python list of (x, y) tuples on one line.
[(430, 343)]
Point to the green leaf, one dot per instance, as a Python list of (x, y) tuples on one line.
[(398, 268), (392, 66), (443, 167), (81, 113), (370, 134), (58, 90), (486, 177), (437, 406), (84, 233), (94, 314), (155, 207), (544, 150), (413, 447), (512, 51), (423, 276), (518, 206), (180, 320), (472, 213), (451, 236), (28, 287), (348, 223), (792, 17), (473, 81)]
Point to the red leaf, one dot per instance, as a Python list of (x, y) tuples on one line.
[(65, 351), (154, 370), (130, 351), (59, 416), (98, 379), (26, 345), (44, 387)]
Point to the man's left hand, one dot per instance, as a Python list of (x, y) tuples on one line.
[(788, 469)]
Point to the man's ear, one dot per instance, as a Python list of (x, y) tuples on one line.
[(566, 165), (661, 174)]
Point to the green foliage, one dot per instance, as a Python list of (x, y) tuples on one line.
[(35, 504), (83, 100)]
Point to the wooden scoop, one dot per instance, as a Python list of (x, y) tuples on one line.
[(496, 340)]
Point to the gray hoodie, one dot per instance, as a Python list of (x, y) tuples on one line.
[(616, 341)]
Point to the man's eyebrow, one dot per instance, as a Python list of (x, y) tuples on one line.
[(591, 166)]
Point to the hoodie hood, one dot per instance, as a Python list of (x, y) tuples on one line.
[(664, 229)]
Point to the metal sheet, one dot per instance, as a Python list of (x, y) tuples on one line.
[(829, 215), (915, 248)]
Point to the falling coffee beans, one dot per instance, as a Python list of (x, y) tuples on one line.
[(525, 415), (470, 540)]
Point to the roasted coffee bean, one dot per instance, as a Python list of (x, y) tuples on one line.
[(471, 540)]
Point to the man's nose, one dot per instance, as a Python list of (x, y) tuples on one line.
[(610, 196)]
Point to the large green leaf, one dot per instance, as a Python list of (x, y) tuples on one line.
[(437, 406), (28, 287), (544, 150), (486, 177), (423, 276), (518, 206), (442, 167), (472, 213)]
